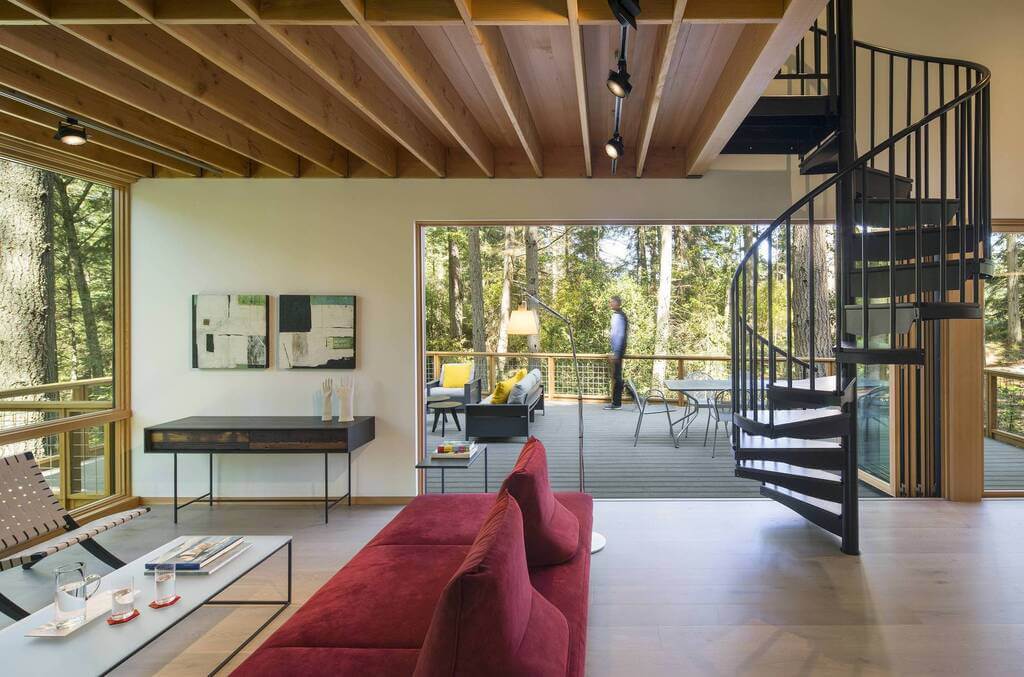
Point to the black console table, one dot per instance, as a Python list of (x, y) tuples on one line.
[(259, 435)]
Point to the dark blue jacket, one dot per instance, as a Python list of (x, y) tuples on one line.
[(619, 333)]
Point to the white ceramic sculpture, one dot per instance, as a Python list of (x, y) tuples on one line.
[(346, 398), (327, 387)]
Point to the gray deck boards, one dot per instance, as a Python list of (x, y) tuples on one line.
[(614, 469), (1004, 465)]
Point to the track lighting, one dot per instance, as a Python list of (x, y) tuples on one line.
[(618, 81), (615, 148), (625, 11), (70, 132)]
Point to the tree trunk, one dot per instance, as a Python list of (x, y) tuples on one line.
[(530, 237), (801, 294), (95, 364), (476, 297), (454, 289), (555, 263), (1013, 327), (23, 309), (506, 291), (640, 244), (52, 368), (662, 317)]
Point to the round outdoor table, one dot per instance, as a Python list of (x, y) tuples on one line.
[(442, 410), (435, 398)]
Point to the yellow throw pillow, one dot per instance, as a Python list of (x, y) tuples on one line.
[(504, 388), (456, 375)]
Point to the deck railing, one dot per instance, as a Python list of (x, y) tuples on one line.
[(1004, 405), (559, 380), (78, 464)]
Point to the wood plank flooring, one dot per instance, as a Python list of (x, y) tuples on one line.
[(685, 587)]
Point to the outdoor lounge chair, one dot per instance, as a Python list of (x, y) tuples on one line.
[(661, 408), (28, 510)]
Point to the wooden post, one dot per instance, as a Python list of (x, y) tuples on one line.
[(680, 373), (437, 367), (992, 408), (963, 454), (492, 372), (551, 376)]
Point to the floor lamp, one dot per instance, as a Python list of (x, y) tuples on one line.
[(524, 322)]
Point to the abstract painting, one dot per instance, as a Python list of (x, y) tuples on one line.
[(229, 331), (317, 331)]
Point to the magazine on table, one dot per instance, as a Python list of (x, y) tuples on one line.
[(200, 553), (454, 450)]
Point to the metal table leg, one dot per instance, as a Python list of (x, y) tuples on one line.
[(326, 502), (485, 471), (211, 480), (442, 480), (175, 487), (348, 454)]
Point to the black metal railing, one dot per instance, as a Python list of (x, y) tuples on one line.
[(920, 195)]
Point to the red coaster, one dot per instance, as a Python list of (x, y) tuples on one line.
[(154, 605), (111, 621)]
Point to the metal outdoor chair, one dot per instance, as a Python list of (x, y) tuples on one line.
[(642, 402), (29, 510), (721, 414)]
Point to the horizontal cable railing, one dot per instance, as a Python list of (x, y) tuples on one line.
[(1004, 405)]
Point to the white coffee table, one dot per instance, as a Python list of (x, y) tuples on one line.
[(98, 648)]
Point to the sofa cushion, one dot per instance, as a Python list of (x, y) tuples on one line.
[(450, 392), (523, 387), (437, 519), (490, 620), (310, 661), (456, 375), (551, 531), (567, 586), (383, 598), (504, 388)]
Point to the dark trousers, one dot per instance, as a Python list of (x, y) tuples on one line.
[(615, 362)]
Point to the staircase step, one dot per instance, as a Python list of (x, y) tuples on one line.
[(904, 277), (876, 242), (826, 519), (853, 354), (823, 393), (820, 423), (820, 454), (875, 212), (906, 315), (815, 483), (824, 159), (783, 125)]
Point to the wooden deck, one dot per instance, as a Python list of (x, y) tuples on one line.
[(614, 469), (1004, 466)]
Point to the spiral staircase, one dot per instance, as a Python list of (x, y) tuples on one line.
[(905, 207)]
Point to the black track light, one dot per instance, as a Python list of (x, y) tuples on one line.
[(625, 11), (615, 148), (70, 132), (618, 81)]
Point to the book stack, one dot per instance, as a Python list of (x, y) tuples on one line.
[(202, 554), (453, 450)]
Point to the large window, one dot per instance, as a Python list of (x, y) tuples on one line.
[(59, 330)]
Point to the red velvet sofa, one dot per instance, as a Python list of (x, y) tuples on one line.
[(373, 616)]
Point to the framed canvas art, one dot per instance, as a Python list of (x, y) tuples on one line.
[(229, 331), (317, 331)]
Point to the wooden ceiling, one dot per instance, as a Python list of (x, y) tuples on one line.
[(385, 88)]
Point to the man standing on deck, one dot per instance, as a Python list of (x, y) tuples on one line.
[(619, 336)]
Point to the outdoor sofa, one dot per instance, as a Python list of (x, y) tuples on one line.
[(512, 419)]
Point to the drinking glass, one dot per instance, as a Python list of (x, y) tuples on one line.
[(163, 579), (71, 594), (122, 598)]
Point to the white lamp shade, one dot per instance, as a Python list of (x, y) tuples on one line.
[(523, 322)]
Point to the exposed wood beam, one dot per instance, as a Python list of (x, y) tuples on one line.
[(663, 53), (22, 151), (580, 74), (405, 50), (253, 59), (64, 93), (393, 12), (498, 64), (37, 117), (39, 136), (759, 53), (338, 65), (62, 53), (165, 59)]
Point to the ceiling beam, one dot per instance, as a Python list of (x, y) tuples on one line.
[(40, 118), (22, 151), (492, 50), (405, 50), (759, 53), (163, 58), (393, 12), (664, 50), (341, 68), (40, 83), (250, 57), (580, 74), (40, 136), (62, 53)]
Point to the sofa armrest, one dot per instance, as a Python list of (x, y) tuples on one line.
[(474, 390), (436, 383)]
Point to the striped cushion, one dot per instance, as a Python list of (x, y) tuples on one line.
[(66, 540)]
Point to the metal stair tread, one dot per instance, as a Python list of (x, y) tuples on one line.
[(790, 469), (784, 416), (752, 442)]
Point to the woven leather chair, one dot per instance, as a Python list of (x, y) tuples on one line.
[(28, 510)]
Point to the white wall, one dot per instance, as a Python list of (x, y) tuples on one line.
[(338, 236)]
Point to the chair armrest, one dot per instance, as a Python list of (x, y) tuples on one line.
[(474, 390), (436, 383)]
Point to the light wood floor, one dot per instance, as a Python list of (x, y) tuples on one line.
[(687, 587)]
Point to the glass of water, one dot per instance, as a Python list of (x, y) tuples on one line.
[(122, 598), (163, 579), (71, 594)]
